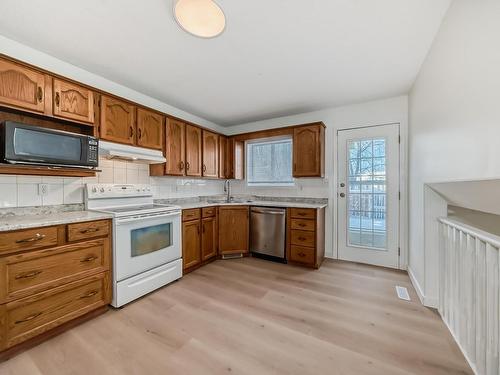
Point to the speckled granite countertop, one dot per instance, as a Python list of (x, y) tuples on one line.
[(199, 202), (43, 217)]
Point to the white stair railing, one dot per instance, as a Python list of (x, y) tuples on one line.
[(469, 292)]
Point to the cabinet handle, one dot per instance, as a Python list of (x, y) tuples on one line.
[(181, 165), (37, 237), (28, 275), (57, 99), (187, 166), (89, 230), (28, 318), (39, 94), (89, 294), (301, 239), (302, 225), (131, 132), (204, 168), (302, 255), (139, 133), (301, 214), (88, 259)]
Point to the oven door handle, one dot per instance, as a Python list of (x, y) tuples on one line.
[(140, 218)]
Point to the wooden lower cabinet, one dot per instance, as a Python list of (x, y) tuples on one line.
[(191, 255), (305, 236), (233, 230), (50, 277), (199, 237), (208, 238)]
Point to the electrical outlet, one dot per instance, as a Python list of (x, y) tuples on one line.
[(43, 189)]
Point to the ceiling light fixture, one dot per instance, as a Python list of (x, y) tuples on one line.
[(202, 18)]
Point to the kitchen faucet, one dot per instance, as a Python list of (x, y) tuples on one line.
[(227, 190)]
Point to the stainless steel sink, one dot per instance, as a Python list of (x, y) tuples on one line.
[(231, 200)]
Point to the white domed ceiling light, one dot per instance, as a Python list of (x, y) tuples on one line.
[(202, 18)]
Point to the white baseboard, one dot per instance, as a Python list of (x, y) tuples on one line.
[(416, 285), (426, 301)]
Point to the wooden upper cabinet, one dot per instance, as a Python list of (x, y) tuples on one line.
[(233, 229), (149, 129), (223, 157), (117, 121), (191, 241), (175, 148), (193, 151), (210, 154), (235, 159), (309, 150), (22, 87), (73, 102)]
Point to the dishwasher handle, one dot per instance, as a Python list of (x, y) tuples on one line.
[(266, 212)]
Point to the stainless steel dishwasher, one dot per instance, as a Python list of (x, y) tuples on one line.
[(267, 232)]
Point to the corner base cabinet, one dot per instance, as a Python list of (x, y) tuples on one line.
[(305, 236), (51, 276), (233, 230)]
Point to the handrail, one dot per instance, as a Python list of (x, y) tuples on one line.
[(482, 235)]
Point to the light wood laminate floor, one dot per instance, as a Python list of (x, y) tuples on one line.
[(251, 316)]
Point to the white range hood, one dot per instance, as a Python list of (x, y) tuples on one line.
[(110, 150)]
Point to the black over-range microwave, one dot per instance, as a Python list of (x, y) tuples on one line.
[(28, 144)]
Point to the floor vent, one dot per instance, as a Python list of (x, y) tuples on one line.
[(232, 256), (403, 293)]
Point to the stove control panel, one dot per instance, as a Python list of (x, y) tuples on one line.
[(98, 191)]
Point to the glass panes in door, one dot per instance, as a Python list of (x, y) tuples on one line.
[(367, 193)]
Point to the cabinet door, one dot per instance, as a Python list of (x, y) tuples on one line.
[(193, 151), (308, 151), (21, 87), (208, 238), (222, 157), (210, 154), (233, 229), (175, 148), (191, 254), (235, 159), (117, 121), (73, 102), (149, 129)]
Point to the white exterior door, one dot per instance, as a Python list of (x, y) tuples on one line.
[(368, 195)]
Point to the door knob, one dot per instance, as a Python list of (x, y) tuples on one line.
[(342, 195)]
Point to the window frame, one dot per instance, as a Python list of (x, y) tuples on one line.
[(280, 139)]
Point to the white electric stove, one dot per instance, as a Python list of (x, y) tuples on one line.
[(147, 251)]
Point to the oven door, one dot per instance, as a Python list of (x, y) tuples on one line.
[(144, 242)]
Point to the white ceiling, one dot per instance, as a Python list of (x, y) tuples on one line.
[(275, 58)]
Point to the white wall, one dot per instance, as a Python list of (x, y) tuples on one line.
[(393, 110), (454, 110)]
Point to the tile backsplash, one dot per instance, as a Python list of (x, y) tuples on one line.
[(22, 191)]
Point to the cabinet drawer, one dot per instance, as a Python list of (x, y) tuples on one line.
[(302, 238), (303, 213), (191, 214), (35, 271), (302, 254), (208, 212), (89, 229), (31, 316), (309, 225), (28, 239)]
